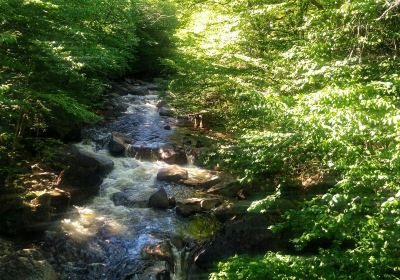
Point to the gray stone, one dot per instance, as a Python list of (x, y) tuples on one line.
[(166, 112), (27, 264), (172, 173), (159, 199), (84, 174), (118, 144), (188, 207), (123, 199)]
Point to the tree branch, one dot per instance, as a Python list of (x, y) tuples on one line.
[(391, 7)]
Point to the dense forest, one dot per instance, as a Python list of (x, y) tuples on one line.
[(299, 100)]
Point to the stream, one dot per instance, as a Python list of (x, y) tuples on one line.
[(103, 241)]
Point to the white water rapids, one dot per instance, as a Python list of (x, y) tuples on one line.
[(103, 241)]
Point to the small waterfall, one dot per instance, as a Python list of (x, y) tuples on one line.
[(181, 263)]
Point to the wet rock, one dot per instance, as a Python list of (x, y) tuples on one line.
[(57, 199), (172, 155), (120, 89), (104, 164), (157, 271), (84, 174), (123, 199), (172, 173), (142, 152), (151, 86), (161, 251), (114, 107), (27, 264), (159, 199), (167, 127), (168, 153), (187, 210), (249, 234), (178, 242), (161, 103), (166, 112), (137, 89), (172, 201), (118, 144), (180, 156)]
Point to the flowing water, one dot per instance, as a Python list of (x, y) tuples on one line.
[(104, 241)]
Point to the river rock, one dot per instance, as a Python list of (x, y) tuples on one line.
[(202, 179), (172, 173), (83, 174), (228, 186), (27, 264), (118, 144), (143, 152), (186, 210), (188, 207), (138, 89), (161, 103), (104, 164), (247, 235), (166, 112), (123, 199), (159, 199), (56, 199), (152, 86), (161, 251), (157, 271), (172, 155), (228, 210)]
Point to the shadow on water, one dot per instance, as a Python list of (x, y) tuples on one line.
[(103, 241)]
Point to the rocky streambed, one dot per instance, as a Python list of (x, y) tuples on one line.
[(145, 211), (152, 211)]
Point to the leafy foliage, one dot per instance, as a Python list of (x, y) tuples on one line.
[(57, 58), (304, 88)]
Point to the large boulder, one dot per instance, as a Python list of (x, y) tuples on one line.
[(247, 235), (123, 199), (172, 173), (57, 200), (83, 174), (118, 144), (159, 199)]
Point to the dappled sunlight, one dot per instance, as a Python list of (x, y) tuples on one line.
[(212, 30), (89, 223)]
